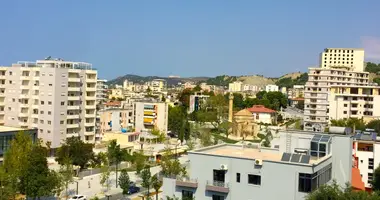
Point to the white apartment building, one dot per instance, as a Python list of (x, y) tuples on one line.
[(149, 115), (57, 97), (343, 68), (157, 85), (250, 88), (366, 155), (296, 91), (101, 91), (235, 86), (271, 88)]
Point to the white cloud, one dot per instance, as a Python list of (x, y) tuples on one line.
[(371, 47)]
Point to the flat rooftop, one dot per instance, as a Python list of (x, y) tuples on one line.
[(8, 128), (237, 151)]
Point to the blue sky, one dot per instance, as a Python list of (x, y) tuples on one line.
[(187, 38)]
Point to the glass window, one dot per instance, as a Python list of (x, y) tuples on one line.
[(254, 179), (238, 177), (304, 182), (217, 197), (187, 194)]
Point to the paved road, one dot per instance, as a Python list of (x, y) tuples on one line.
[(90, 185)]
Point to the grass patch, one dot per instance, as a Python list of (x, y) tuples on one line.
[(224, 139)]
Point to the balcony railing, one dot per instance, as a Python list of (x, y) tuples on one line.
[(217, 186), (186, 182)]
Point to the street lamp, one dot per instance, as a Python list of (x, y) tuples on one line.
[(77, 179)]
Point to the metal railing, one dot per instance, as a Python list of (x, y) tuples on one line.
[(218, 184)]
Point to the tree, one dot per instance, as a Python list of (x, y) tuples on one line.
[(6, 190), (66, 173), (139, 160), (205, 137), (171, 167), (300, 105), (79, 152), (372, 67), (218, 106), (353, 123), (197, 88), (176, 118), (116, 155), (39, 180), (374, 124), (156, 184), (145, 176), (376, 179), (124, 181), (104, 176), (225, 127)]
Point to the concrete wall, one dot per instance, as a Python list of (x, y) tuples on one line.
[(341, 149)]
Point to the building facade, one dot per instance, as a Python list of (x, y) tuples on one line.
[(261, 114), (301, 163), (7, 134), (149, 115), (333, 71), (54, 96), (101, 91), (116, 119), (271, 88), (235, 86), (197, 101)]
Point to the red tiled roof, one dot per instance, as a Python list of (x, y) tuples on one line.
[(260, 109), (113, 103), (357, 182)]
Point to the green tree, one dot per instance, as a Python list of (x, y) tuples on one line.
[(225, 127), (171, 167), (184, 97), (376, 179), (79, 152), (66, 172), (374, 124), (104, 176), (124, 181), (376, 80), (176, 119), (39, 180), (14, 162), (205, 137), (372, 67), (6, 190), (197, 88), (218, 106), (146, 176), (116, 155), (156, 184), (139, 160), (354, 123)]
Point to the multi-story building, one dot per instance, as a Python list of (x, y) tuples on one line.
[(101, 91), (149, 115), (57, 97), (298, 163), (338, 67), (7, 134), (366, 155), (250, 88), (116, 119), (235, 86), (296, 92), (196, 101), (3, 79), (354, 101), (157, 85), (116, 93), (271, 88)]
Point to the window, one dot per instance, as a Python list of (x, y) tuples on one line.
[(10, 82), (238, 177), (304, 182), (41, 131), (370, 178), (41, 112), (42, 102), (217, 197), (254, 179), (41, 121), (62, 122), (187, 194), (10, 73), (257, 116), (62, 103), (48, 131), (49, 102), (344, 112), (370, 163), (345, 105), (50, 84), (49, 122), (345, 98)]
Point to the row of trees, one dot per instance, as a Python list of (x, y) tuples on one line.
[(357, 124)]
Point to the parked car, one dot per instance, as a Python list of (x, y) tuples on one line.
[(133, 189), (78, 197)]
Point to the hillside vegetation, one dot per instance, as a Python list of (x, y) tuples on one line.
[(289, 82), (143, 79)]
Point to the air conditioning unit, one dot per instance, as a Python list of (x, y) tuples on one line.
[(223, 167), (258, 162)]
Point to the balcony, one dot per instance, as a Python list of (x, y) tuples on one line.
[(72, 116), (89, 124), (89, 98), (34, 116), (36, 78), (24, 96), (25, 77), (89, 115), (35, 106), (186, 182), (34, 125), (217, 186), (73, 89), (73, 98), (90, 80), (23, 114), (25, 87), (69, 135), (91, 89), (2, 112), (24, 105), (23, 123), (74, 80), (89, 133), (72, 125), (73, 107), (90, 106)]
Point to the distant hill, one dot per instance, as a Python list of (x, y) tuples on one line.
[(143, 79), (287, 80)]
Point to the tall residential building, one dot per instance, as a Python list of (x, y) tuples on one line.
[(338, 67), (235, 86), (196, 102), (116, 119), (57, 97), (271, 88), (297, 164), (150, 115), (157, 85), (3, 79), (101, 91), (296, 92)]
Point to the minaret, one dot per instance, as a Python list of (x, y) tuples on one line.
[(230, 106)]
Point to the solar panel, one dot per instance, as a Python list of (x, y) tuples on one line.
[(295, 158), (316, 138), (286, 157), (325, 138), (305, 159)]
